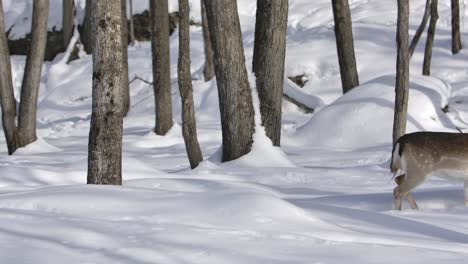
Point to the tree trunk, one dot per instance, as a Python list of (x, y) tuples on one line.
[(132, 27), (208, 70), (32, 74), (126, 86), (86, 36), (235, 98), (430, 39), (189, 127), (345, 44), (67, 21), (268, 62), (105, 135), (7, 98), (161, 65), (402, 71), (456, 39), (417, 35)]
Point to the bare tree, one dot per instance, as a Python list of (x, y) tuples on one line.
[(235, 98), (268, 62), (189, 127), (132, 27), (430, 39), (105, 135), (456, 39), (420, 30), (32, 74), (25, 132), (126, 86), (208, 70), (67, 21), (7, 98), (159, 12), (86, 35), (345, 44), (402, 71)]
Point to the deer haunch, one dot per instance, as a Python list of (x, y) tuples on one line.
[(422, 154)]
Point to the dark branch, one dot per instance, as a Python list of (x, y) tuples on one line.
[(136, 77)]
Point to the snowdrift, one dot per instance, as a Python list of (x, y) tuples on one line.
[(364, 116)]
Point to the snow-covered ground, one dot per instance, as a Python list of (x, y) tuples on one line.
[(324, 197)]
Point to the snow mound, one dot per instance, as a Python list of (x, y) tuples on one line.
[(151, 140), (225, 201), (364, 116), (263, 153), (37, 147)]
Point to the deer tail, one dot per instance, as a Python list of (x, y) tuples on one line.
[(395, 163)]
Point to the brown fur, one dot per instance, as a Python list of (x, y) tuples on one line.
[(424, 153)]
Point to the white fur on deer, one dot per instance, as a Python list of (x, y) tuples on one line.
[(423, 154)]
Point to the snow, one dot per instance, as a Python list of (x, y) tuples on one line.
[(356, 113), (325, 196)]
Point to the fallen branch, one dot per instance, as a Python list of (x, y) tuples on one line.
[(302, 106), (136, 77)]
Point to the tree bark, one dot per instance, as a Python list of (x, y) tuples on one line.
[(32, 74), (7, 98), (67, 21), (456, 39), (420, 30), (345, 44), (430, 39), (208, 70), (402, 71), (161, 65), (125, 79), (132, 27), (105, 135), (86, 36), (268, 62), (189, 127), (235, 98)]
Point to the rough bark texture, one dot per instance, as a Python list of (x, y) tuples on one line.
[(32, 74), (189, 127), (105, 135), (420, 30), (208, 70), (268, 62), (235, 98), (7, 98), (126, 86), (456, 39), (402, 71), (161, 65), (131, 24), (67, 21), (345, 44), (430, 39)]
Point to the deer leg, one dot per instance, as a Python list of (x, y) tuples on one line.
[(409, 196), (396, 192), (397, 198), (406, 183), (412, 202), (466, 192)]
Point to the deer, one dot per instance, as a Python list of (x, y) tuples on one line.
[(423, 154)]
